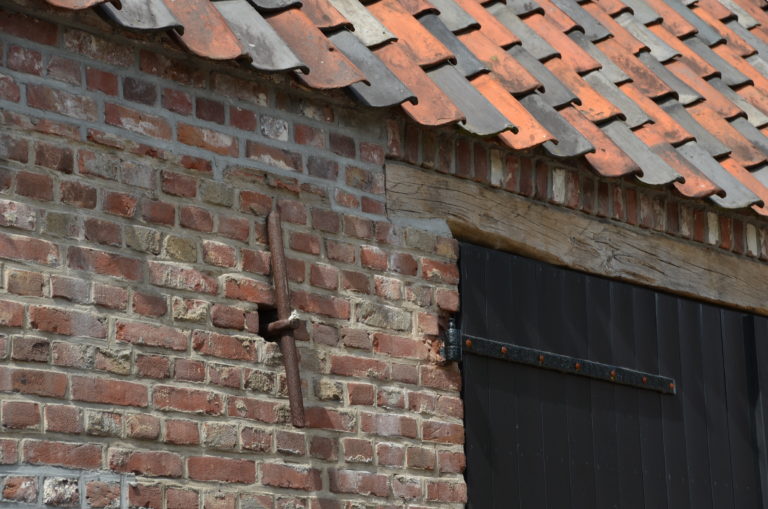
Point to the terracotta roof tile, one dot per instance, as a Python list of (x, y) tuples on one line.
[(675, 92), (425, 47)]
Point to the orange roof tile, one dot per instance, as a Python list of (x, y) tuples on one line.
[(313, 36)]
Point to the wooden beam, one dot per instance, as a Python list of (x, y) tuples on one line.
[(505, 221)]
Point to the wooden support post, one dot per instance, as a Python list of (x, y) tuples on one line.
[(285, 323)]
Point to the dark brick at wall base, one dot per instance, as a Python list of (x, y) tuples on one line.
[(134, 186)]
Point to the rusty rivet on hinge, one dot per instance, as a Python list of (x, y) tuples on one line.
[(468, 343), (671, 386), (541, 359), (613, 374), (504, 350), (645, 379), (577, 366)]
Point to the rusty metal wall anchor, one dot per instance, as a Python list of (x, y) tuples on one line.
[(286, 320)]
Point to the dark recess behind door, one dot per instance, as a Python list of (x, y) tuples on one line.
[(544, 439)]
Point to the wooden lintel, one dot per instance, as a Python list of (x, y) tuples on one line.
[(502, 220)]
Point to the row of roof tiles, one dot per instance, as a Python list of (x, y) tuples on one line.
[(671, 91)]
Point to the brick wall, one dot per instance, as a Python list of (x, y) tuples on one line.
[(135, 181), (134, 187)]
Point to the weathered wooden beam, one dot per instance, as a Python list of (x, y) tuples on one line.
[(502, 220)]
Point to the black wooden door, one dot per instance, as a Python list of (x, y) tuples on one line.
[(538, 438)]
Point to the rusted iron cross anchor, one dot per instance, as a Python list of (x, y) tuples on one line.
[(286, 322)]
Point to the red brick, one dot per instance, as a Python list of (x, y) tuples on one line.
[(211, 468), (104, 263), (441, 272), (218, 254), (152, 335), (146, 496), (177, 101), (158, 212), (34, 185), (324, 276), (346, 365), (358, 227), (427, 324), (11, 314), (220, 143), (421, 458), (179, 278), (177, 498), (234, 228), (196, 218), (187, 400), (112, 392), (373, 257), (371, 153), (442, 432), (102, 494), (345, 199), (22, 282), (9, 452), (192, 371), (181, 432), (446, 491), (57, 101), (297, 477), (357, 450), (15, 149), (25, 60), (361, 393), (137, 121), (223, 346), (85, 456), (451, 462), (153, 366), (227, 317), (406, 488), (149, 304), (358, 482), (389, 425), (21, 415), (148, 463), (249, 408), (242, 118), (101, 81), (258, 262), (142, 427), (340, 252), (305, 243), (208, 109), (356, 281), (447, 300), (9, 90), (371, 206), (30, 349), (103, 232), (70, 288), (390, 455), (64, 69), (273, 156), (33, 29), (327, 305), (177, 184), (322, 168), (78, 195), (444, 378), (63, 419), (255, 439), (308, 135), (140, 91), (327, 418), (249, 290), (67, 322), (323, 448)]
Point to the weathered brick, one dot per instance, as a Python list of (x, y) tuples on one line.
[(30, 349), (255, 409), (180, 278), (63, 419), (34, 185), (297, 477), (152, 335), (67, 322), (102, 262), (85, 456), (389, 425), (20, 415), (113, 392), (358, 482), (249, 290), (20, 489), (220, 143), (443, 432), (223, 346), (149, 304), (22, 282), (327, 305), (211, 468), (187, 400), (101, 81), (57, 101), (148, 463), (328, 418), (181, 432)]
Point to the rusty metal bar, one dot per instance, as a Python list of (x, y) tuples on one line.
[(282, 299)]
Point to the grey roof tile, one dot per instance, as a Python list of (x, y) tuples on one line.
[(634, 115), (593, 29), (729, 74), (743, 17), (750, 38), (275, 5), (755, 116), (736, 195), (482, 118), (711, 144), (367, 28), (383, 87), (686, 95), (454, 17), (466, 61), (751, 133), (524, 7), (532, 42), (655, 170), (707, 34), (263, 45), (141, 15), (555, 92), (643, 12), (610, 70), (659, 49), (570, 142)]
